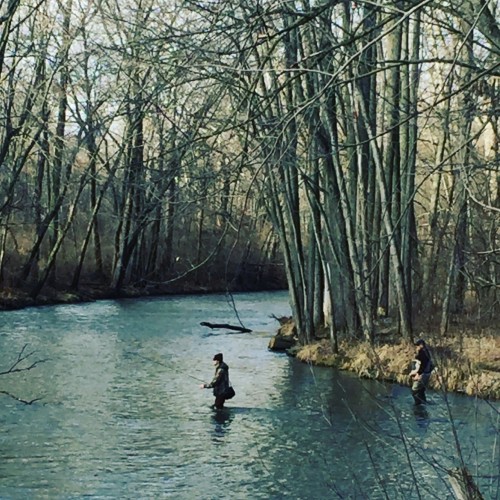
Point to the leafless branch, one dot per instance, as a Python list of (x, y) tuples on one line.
[(19, 399), (15, 368)]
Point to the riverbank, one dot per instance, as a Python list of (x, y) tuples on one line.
[(467, 361), (11, 298)]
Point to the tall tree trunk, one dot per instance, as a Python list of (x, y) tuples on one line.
[(51, 259), (59, 139), (392, 160), (453, 300), (404, 308), (127, 235), (409, 97)]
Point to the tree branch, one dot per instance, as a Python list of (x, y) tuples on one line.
[(20, 358), (19, 399), (16, 368)]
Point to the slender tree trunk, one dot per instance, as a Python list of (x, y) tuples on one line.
[(453, 301), (127, 236), (409, 136), (404, 308), (59, 140), (169, 230), (51, 259)]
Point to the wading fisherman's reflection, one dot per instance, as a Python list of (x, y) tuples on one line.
[(222, 423)]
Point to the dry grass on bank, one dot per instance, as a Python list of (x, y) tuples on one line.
[(467, 363)]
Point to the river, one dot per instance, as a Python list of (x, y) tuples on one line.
[(121, 414)]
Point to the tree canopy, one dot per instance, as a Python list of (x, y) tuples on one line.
[(351, 147)]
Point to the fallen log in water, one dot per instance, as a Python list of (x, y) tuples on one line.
[(226, 326)]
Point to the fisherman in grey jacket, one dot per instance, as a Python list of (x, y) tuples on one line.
[(220, 382)]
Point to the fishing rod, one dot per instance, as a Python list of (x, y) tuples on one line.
[(166, 366)]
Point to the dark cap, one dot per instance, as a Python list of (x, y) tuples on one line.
[(420, 342), (218, 357)]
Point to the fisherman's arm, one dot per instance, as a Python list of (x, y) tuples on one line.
[(215, 380), (415, 373)]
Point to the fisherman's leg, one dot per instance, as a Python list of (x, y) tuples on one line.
[(219, 402), (421, 394), (424, 381), (418, 392)]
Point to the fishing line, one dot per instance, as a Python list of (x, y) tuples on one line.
[(170, 367)]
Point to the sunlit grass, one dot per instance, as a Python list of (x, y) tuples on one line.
[(465, 362)]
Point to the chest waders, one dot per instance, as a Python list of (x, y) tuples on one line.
[(419, 386)]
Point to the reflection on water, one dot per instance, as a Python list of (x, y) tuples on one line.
[(222, 422), (122, 415), (421, 416)]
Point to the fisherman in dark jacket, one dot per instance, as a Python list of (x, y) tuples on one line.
[(421, 372), (220, 382)]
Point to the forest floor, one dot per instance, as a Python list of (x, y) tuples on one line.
[(467, 359)]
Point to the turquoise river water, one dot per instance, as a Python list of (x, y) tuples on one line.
[(121, 414)]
